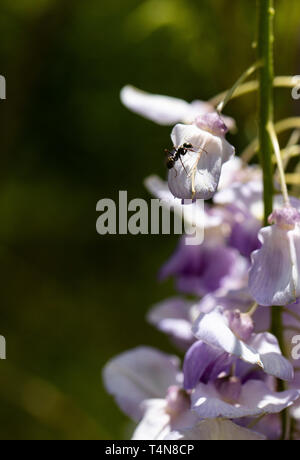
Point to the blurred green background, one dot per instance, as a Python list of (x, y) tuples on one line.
[(70, 299)]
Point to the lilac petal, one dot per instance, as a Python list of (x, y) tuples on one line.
[(213, 329), (162, 110), (241, 324), (223, 365), (138, 375), (274, 363), (201, 108), (256, 393), (244, 234), (274, 275), (255, 399), (173, 318), (205, 163), (216, 430), (198, 358), (233, 300), (197, 272)]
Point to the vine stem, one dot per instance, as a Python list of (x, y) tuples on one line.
[(265, 92), (267, 142), (229, 94)]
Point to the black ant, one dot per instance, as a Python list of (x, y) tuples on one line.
[(175, 154)]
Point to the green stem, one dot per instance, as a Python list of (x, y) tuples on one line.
[(229, 94), (250, 86), (266, 13), (266, 77)]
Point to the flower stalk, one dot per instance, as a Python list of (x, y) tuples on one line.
[(268, 144), (266, 77), (229, 94)]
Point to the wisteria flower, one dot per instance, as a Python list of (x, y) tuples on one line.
[(138, 375), (232, 332), (230, 398), (207, 268), (196, 175), (147, 385), (176, 316), (165, 110), (163, 416), (274, 274), (225, 386), (215, 220), (233, 366)]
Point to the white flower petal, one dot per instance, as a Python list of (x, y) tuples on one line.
[(163, 110), (138, 375), (155, 425), (204, 165)]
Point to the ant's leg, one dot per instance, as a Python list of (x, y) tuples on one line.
[(195, 149)]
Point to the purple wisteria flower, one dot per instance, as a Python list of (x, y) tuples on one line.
[(230, 398), (232, 332), (225, 386), (207, 268), (235, 219), (243, 202), (176, 316), (274, 274), (215, 220), (232, 368)]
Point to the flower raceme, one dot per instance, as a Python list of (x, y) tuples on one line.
[(227, 382)]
